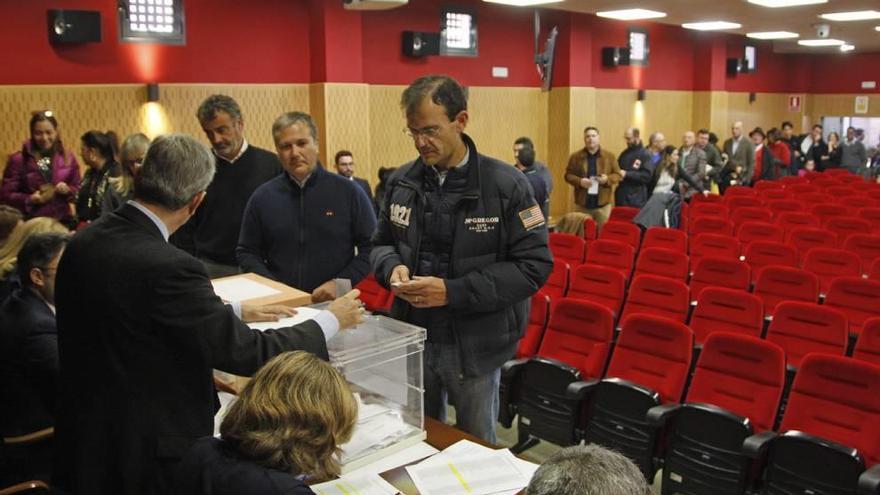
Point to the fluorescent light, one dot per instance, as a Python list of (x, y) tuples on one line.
[(711, 25), (785, 3), (877, 28), (821, 42), (772, 35), (859, 15), (847, 48), (631, 14), (523, 3)]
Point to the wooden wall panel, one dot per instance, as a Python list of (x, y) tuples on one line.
[(345, 117), (821, 105), (389, 146), (767, 111)]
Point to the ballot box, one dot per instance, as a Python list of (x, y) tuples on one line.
[(382, 361), (254, 289)]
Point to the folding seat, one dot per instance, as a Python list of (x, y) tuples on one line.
[(712, 271), (622, 214), (557, 283), (750, 214), (726, 310), (826, 182), (708, 210), (707, 198), (800, 328), (828, 264), (711, 225), (590, 230), (840, 192), (376, 299), (811, 176), (872, 215), (809, 200), (734, 393), (806, 238), (662, 237), (759, 231), (802, 188), (612, 254), (737, 202), (844, 227), (855, 202), (836, 172), (663, 263), (539, 315), (863, 186), (868, 345), (625, 232), (791, 180), (658, 296), (733, 191), (780, 206), (720, 246), (649, 367), (683, 218), (857, 298), (790, 220), (831, 431), (759, 254), (777, 284), (600, 285), (567, 247), (575, 348), (866, 247), (767, 185), (826, 212)]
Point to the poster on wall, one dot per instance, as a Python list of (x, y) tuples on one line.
[(861, 104), (795, 102)]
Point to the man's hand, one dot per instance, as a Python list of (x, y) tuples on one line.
[(586, 183), (636, 164), (324, 292), (348, 310), (622, 174), (738, 169), (251, 313), (603, 179), (62, 188), (424, 292), (399, 275)]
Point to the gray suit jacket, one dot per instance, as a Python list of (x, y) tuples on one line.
[(695, 164), (744, 156)]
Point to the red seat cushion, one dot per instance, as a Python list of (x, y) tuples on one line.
[(828, 264), (726, 310), (579, 334), (777, 284), (801, 328), (538, 318), (868, 345), (659, 296), (598, 284), (855, 297)]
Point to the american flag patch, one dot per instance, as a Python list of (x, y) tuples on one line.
[(532, 217)]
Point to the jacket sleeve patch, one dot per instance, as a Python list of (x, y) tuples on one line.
[(531, 217)]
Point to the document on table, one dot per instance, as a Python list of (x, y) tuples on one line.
[(466, 448), (302, 314), (241, 289), (363, 484), (484, 473)]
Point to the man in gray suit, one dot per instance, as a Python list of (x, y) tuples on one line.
[(740, 156), (693, 160)]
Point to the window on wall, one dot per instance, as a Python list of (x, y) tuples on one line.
[(154, 21), (638, 46), (458, 32)]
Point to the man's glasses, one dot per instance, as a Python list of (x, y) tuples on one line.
[(427, 132)]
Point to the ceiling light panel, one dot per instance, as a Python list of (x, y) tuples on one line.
[(859, 15), (785, 3), (631, 14), (821, 42), (711, 25), (772, 35), (523, 3)]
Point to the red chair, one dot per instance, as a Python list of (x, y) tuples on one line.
[(868, 345), (376, 299), (866, 247), (661, 237), (759, 231), (737, 202), (789, 181), (625, 232), (826, 182), (711, 225), (809, 200), (792, 220), (857, 298), (538, 318), (579, 334), (780, 206), (759, 254), (874, 273), (806, 238), (612, 254), (590, 230), (872, 215), (708, 210), (709, 198), (600, 285), (735, 191), (663, 263), (855, 203), (874, 194), (726, 310), (840, 192), (658, 296), (720, 246), (567, 247), (767, 185), (719, 272), (836, 172), (826, 212), (622, 214), (750, 214), (777, 284), (802, 328), (828, 264), (844, 227), (850, 179), (556, 285), (802, 188)]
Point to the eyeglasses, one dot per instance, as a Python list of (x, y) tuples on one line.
[(427, 132)]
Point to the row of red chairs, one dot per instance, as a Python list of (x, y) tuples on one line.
[(713, 218)]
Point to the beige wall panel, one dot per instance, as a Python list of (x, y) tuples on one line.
[(318, 111), (347, 111), (767, 111), (500, 115), (822, 105), (559, 146), (389, 146), (670, 112), (702, 109)]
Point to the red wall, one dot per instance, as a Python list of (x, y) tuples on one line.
[(844, 73)]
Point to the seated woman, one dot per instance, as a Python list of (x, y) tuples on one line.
[(99, 151), (664, 206), (121, 189), (9, 252), (284, 429)]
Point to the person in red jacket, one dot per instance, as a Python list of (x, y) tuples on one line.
[(773, 158)]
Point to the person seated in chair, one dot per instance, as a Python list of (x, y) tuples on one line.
[(587, 470)]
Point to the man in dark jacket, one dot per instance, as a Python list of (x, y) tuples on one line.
[(793, 142), (636, 170), (344, 161), (525, 162), (463, 245)]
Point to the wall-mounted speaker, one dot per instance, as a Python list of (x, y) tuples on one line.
[(613, 56), (420, 44), (734, 66), (74, 26)]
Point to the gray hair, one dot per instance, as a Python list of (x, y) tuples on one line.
[(288, 119), (176, 168), (218, 103), (134, 144), (587, 470)]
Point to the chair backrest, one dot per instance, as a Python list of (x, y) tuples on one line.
[(557, 283), (767, 185), (374, 296), (567, 247), (826, 212), (806, 238), (840, 191), (829, 264), (865, 246), (737, 202), (837, 398), (737, 191), (835, 172), (708, 210), (663, 263), (726, 310), (579, 334), (790, 220), (538, 319), (801, 188), (844, 227), (625, 232), (659, 296), (741, 374), (759, 254), (872, 215), (800, 328), (590, 229), (780, 206), (655, 353), (855, 203), (776, 284), (612, 254), (622, 214), (811, 199), (711, 225), (726, 272), (857, 298), (868, 345), (707, 198), (750, 214), (598, 284), (874, 272), (662, 237), (759, 231)]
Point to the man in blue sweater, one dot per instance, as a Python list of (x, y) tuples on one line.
[(307, 226)]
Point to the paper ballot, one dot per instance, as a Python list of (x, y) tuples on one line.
[(363, 484), (480, 474), (241, 289), (465, 449), (377, 427), (302, 314), (594, 186)]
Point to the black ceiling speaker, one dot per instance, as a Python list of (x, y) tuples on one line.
[(420, 44), (734, 66), (612, 56), (74, 26)]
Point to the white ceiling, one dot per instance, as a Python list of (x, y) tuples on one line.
[(755, 18)]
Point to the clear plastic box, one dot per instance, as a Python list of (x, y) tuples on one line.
[(382, 361)]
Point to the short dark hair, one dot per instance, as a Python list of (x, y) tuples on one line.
[(713, 138), (9, 218), (45, 116), (758, 130), (443, 90), (703, 131), (787, 124), (526, 156), (525, 141), (340, 154), (37, 251), (635, 131), (107, 143), (218, 103), (818, 126), (590, 128)]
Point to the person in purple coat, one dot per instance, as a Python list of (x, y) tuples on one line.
[(43, 178)]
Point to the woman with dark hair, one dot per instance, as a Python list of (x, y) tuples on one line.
[(285, 428), (832, 158), (99, 150), (121, 189), (775, 157), (664, 206), (42, 179)]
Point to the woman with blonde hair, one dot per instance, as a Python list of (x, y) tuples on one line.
[(9, 250), (285, 428), (131, 156)]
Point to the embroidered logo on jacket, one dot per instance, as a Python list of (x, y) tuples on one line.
[(480, 224), (400, 215), (531, 217)]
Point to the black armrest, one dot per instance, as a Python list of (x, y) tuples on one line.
[(658, 416), (755, 446), (512, 367), (580, 390), (869, 481)]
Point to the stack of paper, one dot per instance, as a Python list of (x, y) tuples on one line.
[(302, 314), (377, 427), (363, 484)]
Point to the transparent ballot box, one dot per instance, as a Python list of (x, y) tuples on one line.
[(382, 361)]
